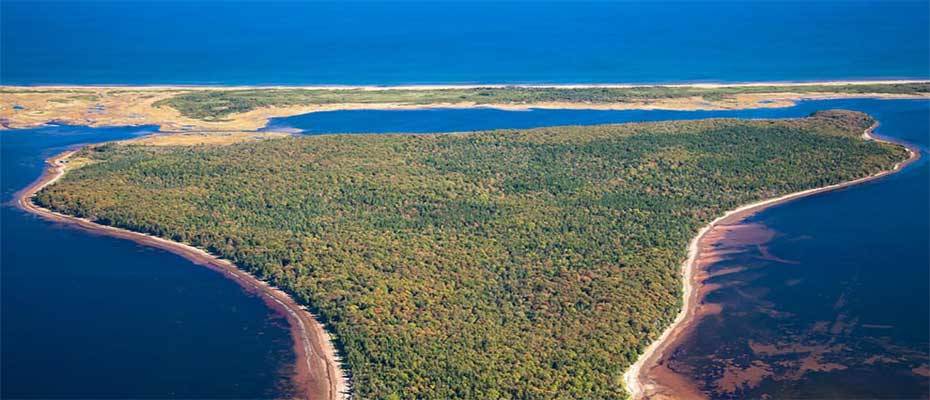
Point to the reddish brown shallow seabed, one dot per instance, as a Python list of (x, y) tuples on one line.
[(317, 371), (651, 378)]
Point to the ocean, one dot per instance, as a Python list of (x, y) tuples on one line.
[(391, 43)]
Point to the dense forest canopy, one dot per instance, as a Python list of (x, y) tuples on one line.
[(218, 104), (510, 264)]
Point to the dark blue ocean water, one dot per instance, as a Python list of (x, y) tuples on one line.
[(377, 42), (90, 316), (145, 323)]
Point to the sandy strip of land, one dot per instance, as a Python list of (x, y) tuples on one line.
[(318, 373), (33, 106), (641, 378), (708, 85)]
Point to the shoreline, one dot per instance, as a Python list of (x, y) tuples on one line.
[(312, 343), (435, 86), (97, 105), (636, 378), (317, 373)]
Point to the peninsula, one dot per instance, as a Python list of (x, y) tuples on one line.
[(502, 264)]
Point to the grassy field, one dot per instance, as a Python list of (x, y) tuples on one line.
[(511, 264)]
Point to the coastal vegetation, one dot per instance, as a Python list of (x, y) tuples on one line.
[(202, 138), (218, 104), (225, 109), (506, 264)]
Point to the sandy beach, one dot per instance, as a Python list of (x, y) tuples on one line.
[(318, 373), (708, 85), (648, 378)]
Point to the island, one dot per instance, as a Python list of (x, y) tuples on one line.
[(538, 263)]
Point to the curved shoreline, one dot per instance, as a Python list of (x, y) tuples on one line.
[(317, 374), (311, 342), (637, 379)]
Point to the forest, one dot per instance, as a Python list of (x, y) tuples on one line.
[(507, 264), (213, 105)]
